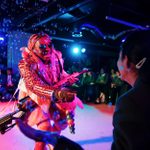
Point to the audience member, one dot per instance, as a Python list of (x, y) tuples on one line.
[(2, 85), (131, 118), (101, 87), (87, 83)]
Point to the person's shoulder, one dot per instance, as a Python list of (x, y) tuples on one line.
[(58, 53), (22, 61), (25, 62), (126, 99)]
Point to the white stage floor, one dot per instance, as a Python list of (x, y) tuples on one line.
[(93, 130)]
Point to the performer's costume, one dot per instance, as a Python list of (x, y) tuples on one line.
[(37, 82)]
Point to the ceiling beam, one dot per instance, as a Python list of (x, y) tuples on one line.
[(60, 13), (31, 14), (125, 23)]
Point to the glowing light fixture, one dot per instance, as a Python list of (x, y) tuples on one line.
[(1, 39), (76, 50), (83, 50)]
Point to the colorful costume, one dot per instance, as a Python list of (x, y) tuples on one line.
[(37, 82)]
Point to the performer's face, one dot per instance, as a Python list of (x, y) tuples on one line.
[(43, 48)]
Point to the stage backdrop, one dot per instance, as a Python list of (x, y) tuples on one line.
[(16, 40)]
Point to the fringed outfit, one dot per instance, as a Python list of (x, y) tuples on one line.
[(37, 82)]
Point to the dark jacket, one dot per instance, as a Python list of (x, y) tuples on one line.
[(131, 119)]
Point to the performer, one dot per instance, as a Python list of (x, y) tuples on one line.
[(41, 69)]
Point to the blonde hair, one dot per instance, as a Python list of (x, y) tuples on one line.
[(34, 38)]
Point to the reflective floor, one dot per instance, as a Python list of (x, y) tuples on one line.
[(93, 129)]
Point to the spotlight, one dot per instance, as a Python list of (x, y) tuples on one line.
[(1, 39), (75, 50), (83, 50), (123, 40)]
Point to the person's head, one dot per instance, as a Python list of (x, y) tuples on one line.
[(89, 73), (9, 71), (117, 73), (102, 71), (134, 57), (41, 45), (112, 71)]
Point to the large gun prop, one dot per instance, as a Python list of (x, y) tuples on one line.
[(6, 122), (66, 80)]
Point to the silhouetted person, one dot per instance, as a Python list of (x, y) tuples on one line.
[(131, 118)]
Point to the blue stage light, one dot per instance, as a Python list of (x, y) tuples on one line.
[(1, 39), (83, 50), (76, 50)]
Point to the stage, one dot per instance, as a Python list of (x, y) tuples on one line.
[(93, 129)]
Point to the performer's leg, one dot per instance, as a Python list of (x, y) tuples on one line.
[(43, 126)]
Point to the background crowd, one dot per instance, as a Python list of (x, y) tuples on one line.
[(100, 87), (104, 86), (8, 84)]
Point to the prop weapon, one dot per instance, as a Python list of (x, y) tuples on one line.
[(6, 121), (65, 80)]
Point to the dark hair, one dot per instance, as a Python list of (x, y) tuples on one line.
[(136, 46)]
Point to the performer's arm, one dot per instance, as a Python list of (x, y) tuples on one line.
[(33, 82)]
